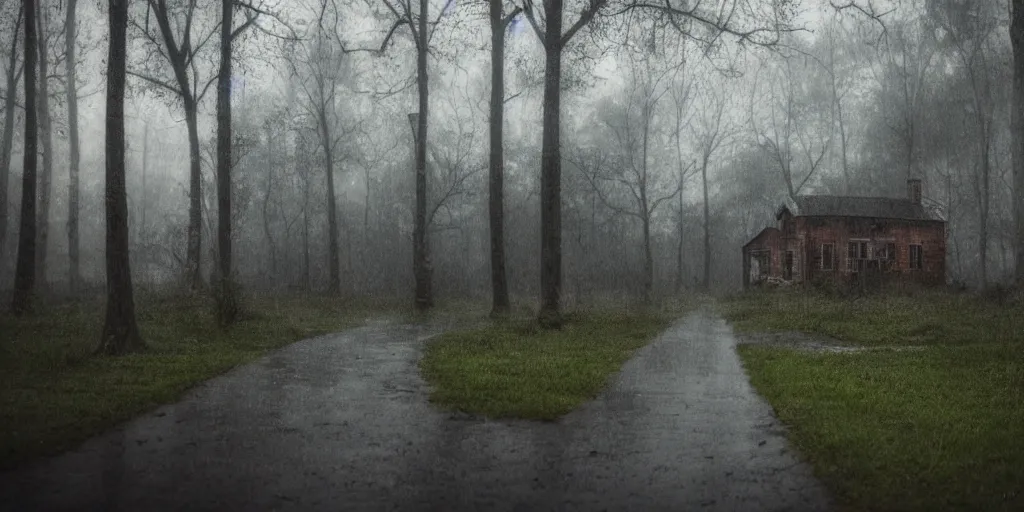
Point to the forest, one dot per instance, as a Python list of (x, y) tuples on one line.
[(613, 148)]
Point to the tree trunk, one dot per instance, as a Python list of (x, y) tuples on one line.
[(645, 211), (267, 232), (46, 174), (193, 274), (305, 237), (8, 136), (983, 209), (120, 333), (551, 170), (679, 248), (648, 262), (25, 273), (1017, 133), (499, 283), (74, 156), (842, 143), (679, 197), (145, 174), (707, 228), (334, 286), (421, 253), (227, 310)]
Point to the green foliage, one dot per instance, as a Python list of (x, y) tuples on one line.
[(939, 428), (54, 393), (519, 369)]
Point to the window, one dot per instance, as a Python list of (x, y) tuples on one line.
[(856, 254), (828, 256), (884, 251), (916, 257), (787, 268)]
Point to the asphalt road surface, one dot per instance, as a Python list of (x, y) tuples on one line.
[(342, 422)]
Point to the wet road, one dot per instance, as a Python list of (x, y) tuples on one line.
[(342, 422)]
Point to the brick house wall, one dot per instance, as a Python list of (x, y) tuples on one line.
[(803, 238)]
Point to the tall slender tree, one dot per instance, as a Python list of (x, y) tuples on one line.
[(227, 308), (25, 272), (1017, 131), (12, 74), (44, 32), (120, 332), (74, 156), (320, 66), (180, 42), (403, 14), (499, 22)]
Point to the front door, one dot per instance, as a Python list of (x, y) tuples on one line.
[(787, 266)]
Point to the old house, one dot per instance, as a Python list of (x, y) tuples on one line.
[(850, 239)]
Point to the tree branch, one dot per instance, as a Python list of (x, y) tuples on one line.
[(511, 16), (528, 11), (595, 5), (155, 81)]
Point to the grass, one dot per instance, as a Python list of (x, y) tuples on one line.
[(54, 394), (513, 369), (940, 428), (924, 318)]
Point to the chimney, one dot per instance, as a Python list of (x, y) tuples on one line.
[(914, 190)]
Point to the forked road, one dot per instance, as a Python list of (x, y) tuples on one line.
[(342, 423)]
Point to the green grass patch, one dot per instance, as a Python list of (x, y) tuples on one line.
[(936, 428), (55, 394), (939, 429), (917, 319), (514, 369)]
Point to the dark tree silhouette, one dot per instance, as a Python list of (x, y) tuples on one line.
[(12, 76), (227, 307), (496, 199), (25, 273), (1017, 132), (120, 332), (71, 88)]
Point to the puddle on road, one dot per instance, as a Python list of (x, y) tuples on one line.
[(797, 340)]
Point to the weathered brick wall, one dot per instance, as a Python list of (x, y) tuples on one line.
[(841, 230)]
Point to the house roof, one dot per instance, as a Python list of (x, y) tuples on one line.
[(852, 206), (768, 231)]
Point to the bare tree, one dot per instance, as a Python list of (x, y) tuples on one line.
[(74, 153), (48, 34), (711, 132), (120, 332), (1017, 131), (180, 41), (680, 92), (227, 307), (968, 30), (499, 22), (401, 13), (795, 133), (12, 73), (321, 67), (631, 126), (24, 276)]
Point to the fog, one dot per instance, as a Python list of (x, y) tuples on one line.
[(678, 140)]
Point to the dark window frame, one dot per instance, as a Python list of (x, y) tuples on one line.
[(916, 256), (828, 264), (856, 250)]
